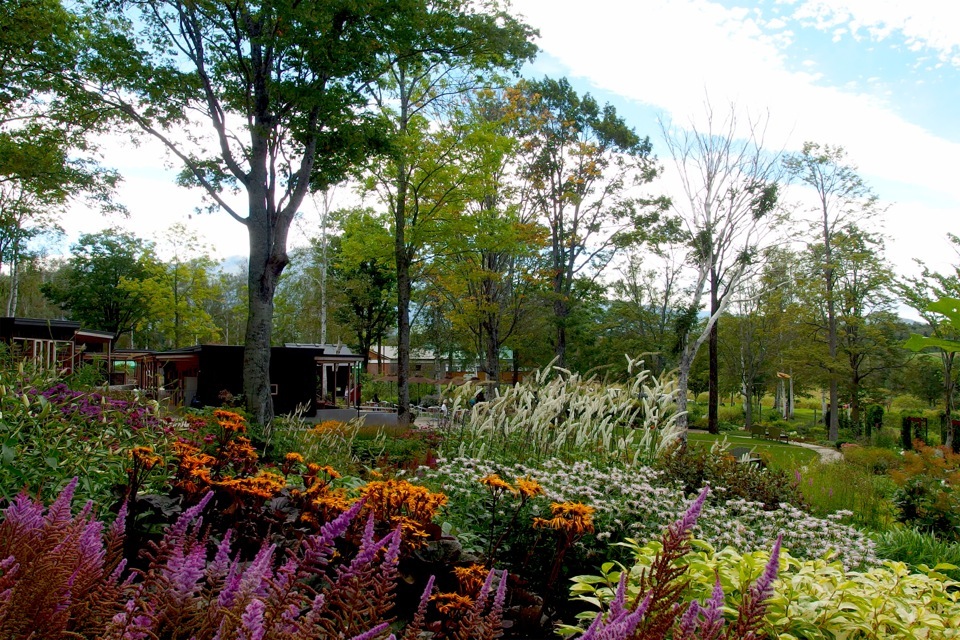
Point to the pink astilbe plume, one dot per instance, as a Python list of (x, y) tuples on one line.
[(58, 576)]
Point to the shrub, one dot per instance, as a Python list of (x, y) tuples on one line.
[(875, 460), (927, 496), (918, 548), (692, 467)]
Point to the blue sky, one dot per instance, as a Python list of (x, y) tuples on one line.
[(879, 77)]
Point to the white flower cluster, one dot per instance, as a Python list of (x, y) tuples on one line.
[(636, 503)]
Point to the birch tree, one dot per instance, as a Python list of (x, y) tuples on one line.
[(730, 195)]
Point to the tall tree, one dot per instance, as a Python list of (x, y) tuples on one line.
[(451, 51), (95, 286), (730, 183), (841, 198), (264, 96), (179, 292), (46, 152), (919, 293), (364, 274), (869, 335), (487, 260), (581, 166)]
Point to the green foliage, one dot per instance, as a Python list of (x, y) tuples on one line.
[(812, 599), (918, 548), (839, 486), (692, 467), (99, 286), (50, 434)]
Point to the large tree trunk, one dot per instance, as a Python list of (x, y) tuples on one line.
[(492, 355), (713, 402), (261, 283), (833, 429), (402, 257), (560, 312), (683, 385)]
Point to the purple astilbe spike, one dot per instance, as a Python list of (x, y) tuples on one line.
[(481, 601), (251, 622), (687, 625), (24, 515), (253, 581), (754, 607), (184, 569), (617, 627), (617, 606), (231, 586), (118, 529), (763, 588), (372, 633), (179, 528), (367, 553), (420, 617), (499, 598), (316, 610), (59, 512), (689, 518), (317, 548), (218, 568), (86, 510), (712, 622)]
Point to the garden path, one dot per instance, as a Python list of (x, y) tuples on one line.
[(827, 454)]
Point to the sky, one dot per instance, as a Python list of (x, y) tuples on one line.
[(880, 78)]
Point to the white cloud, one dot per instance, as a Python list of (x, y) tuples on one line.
[(670, 54)]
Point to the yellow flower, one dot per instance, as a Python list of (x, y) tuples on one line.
[(293, 457), (572, 518), (145, 457), (451, 603), (471, 578), (496, 483), (528, 487)]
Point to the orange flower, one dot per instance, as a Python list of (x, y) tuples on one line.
[(230, 421), (572, 518), (528, 487), (145, 458), (496, 483), (410, 506), (471, 578), (451, 603), (293, 457)]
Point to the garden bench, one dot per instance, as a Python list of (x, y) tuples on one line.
[(757, 431), (745, 455)]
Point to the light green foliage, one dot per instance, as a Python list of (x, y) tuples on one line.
[(830, 487), (812, 599), (96, 285), (561, 414), (178, 292)]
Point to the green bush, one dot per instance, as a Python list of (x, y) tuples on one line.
[(691, 467), (876, 460), (812, 599), (918, 548)]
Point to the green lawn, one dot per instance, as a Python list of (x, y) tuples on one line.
[(781, 455)]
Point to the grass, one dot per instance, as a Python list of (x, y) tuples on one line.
[(779, 455)]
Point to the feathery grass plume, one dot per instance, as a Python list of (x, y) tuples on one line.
[(556, 413)]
